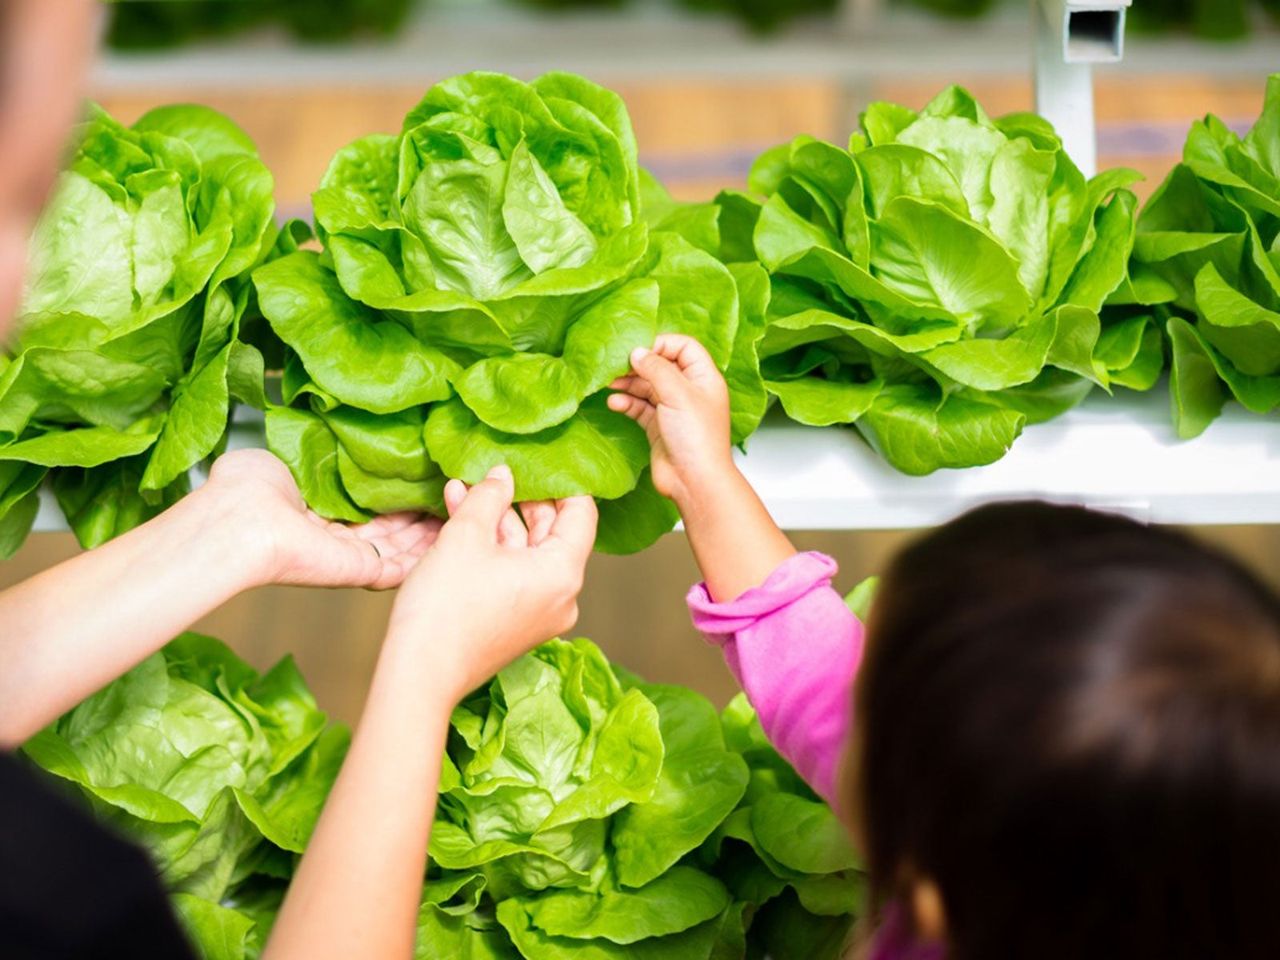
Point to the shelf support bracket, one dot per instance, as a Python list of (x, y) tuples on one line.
[(1070, 37)]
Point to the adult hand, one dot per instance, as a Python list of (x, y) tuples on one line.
[(291, 545), (492, 587), (488, 589), (678, 395)]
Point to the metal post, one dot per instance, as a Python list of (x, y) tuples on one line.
[(857, 18), (1070, 37)]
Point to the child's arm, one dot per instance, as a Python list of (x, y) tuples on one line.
[(795, 648), (787, 636), (486, 591)]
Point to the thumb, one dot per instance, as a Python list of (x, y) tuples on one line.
[(487, 502), (668, 383)]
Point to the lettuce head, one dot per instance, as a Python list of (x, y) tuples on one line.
[(486, 273)]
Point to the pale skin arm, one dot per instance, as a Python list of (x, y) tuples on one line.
[(73, 629), (676, 393), (70, 630), (45, 51), (486, 592)]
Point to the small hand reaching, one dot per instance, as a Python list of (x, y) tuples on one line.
[(680, 398), (294, 546), (677, 394)]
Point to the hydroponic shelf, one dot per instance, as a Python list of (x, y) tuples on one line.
[(645, 42), (1111, 453)]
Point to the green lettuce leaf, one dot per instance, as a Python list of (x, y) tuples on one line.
[(929, 282), (127, 360), (782, 852), (1206, 273), (218, 772), (492, 267)]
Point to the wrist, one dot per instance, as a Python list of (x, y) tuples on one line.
[(707, 486), (425, 648), (242, 545)]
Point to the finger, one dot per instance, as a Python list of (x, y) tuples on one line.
[(392, 575), (402, 563), (488, 501), (422, 546), (407, 537), (391, 572), (634, 386), (686, 352), (539, 515), (575, 526), (638, 410), (364, 564), (396, 568), (386, 525), (455, 491), (511, 531), (667, 383), (339, 530)]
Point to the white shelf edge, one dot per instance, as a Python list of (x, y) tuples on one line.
[(1117, 454)]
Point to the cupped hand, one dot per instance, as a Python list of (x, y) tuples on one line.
[(676, 392), (493, 586), (291, 545)]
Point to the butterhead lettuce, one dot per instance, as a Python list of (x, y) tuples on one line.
[(1206, 263), (938, 283), (218, 772), (571, 808), (486, 273), (785, 856), (128, 356), (583, 814)]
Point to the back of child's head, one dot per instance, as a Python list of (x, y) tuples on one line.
[(1071, 726)]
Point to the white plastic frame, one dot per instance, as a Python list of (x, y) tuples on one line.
[(1070, 37)]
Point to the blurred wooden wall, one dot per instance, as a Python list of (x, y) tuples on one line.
[(632, 606), (700, 136)]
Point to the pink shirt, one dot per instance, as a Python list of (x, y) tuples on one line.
[(795, 648)]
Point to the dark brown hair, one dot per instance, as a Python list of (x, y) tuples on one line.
[(1071, 725)]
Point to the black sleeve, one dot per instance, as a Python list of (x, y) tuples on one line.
[(71, 889)]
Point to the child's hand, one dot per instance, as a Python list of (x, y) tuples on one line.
[(680, 398), (492, 587), (676, 393)]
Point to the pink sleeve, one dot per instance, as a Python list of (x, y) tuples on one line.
[(795, 648)]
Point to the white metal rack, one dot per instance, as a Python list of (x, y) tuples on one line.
[(1110, 454), (1070, 37), (1116, 453)]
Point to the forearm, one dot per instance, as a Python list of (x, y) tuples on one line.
[(795, 647), (70, 630), (734, 540), (357, 890)]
